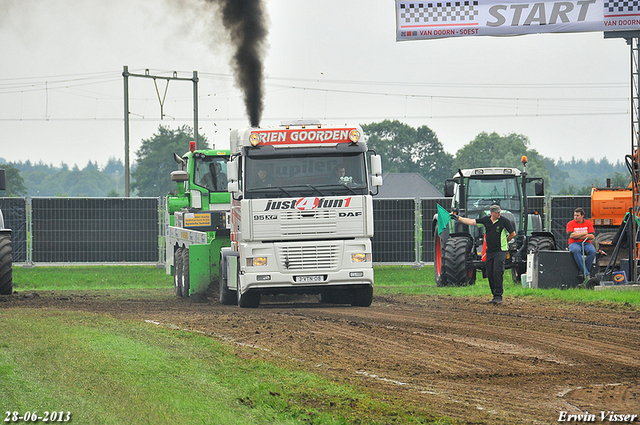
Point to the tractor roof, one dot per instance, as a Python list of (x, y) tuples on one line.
[(495, 171)]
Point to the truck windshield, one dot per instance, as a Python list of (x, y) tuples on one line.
[(308, 175), (504, 191), (211, 173)]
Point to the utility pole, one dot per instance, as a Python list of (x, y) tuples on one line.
[(126, 74)]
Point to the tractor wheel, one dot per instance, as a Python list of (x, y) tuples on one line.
[(177, 271), (362, 297), (540, 243), (185, 273), (437, 262), (6, 266), (227, 296), (457, 271), (603, 238)]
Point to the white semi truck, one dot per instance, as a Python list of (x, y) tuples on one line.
[(301, 214)]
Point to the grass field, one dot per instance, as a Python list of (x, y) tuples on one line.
[(108, 371)]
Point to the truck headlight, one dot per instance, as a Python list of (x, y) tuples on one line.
[(257, 261), (360, 257)]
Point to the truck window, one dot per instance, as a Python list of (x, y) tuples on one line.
[(306, 175), (211, 173)]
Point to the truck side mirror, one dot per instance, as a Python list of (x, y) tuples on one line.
[(449, 186), (232, 187), (3, 182), (179, 176), (376, 166), (539, 188), (232, 172)]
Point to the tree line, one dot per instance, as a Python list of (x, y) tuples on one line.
[(404, 149)]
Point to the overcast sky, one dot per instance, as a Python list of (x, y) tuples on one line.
[(61, 84)]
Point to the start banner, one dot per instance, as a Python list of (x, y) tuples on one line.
[(416, 20)]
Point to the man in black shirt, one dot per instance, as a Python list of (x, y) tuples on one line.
[(498, 232)]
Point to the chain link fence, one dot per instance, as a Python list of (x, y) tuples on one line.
[(131, 230)]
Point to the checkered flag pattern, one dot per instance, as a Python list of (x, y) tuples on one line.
[(618, 6), (450, 11)]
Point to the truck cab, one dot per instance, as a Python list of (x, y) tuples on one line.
[(301, 214)]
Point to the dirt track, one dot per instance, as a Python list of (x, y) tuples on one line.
[(525, 361)]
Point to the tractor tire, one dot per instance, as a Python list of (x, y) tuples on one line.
[(177, 271), (541, 243), (6, 265), (437, 262), (362, 297), (605, 238), (457, 270), (185, 273), (227, 296)]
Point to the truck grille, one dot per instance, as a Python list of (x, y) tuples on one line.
[(308, 223), (311, 257)]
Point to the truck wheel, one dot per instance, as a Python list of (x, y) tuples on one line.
[(185, 273), (227, 296), (437, 262), (362, 297), (177, 271), (457, 270), (6, 265), (251, 298)]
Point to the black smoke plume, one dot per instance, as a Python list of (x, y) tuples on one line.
[(246, 23)]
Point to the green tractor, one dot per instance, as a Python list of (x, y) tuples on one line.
[(198, 218), (459, 250)]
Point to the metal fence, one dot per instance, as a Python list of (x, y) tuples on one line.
[(85, 230), (130, 230)]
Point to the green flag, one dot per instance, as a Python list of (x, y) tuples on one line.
[(443, 219)]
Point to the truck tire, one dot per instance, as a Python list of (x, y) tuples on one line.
[(177, 271), (6, 265), (437, 262), (457, 270), (250, 299), (227, 296), (362, 296), (185, 273)]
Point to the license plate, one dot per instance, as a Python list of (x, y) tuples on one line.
[(304, 279)]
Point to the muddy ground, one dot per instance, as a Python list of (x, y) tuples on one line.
[(525, 361)]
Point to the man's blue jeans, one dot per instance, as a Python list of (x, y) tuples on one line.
[(589, 250)]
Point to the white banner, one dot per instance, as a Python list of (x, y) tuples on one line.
[(416, 20)]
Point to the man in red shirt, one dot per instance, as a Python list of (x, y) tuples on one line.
[(580, 230)]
